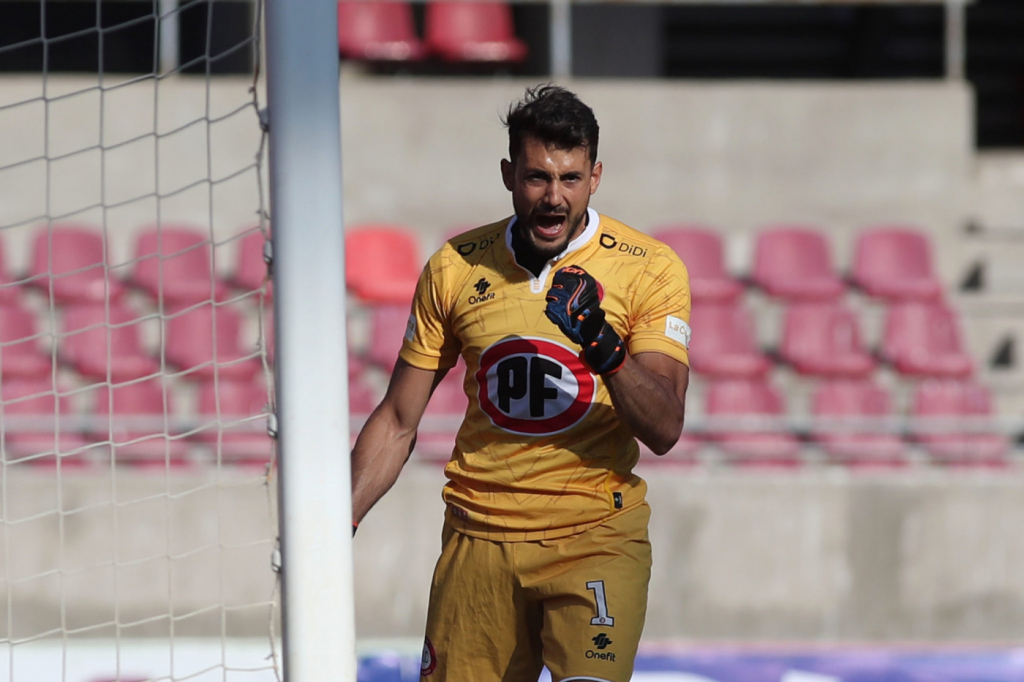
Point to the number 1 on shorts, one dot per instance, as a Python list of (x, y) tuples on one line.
[(602, 617)]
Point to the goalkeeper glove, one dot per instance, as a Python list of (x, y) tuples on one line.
[(574, 305)]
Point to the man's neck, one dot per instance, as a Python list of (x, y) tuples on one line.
[(525, 255)]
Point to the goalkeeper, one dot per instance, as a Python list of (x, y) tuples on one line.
[(574, 329)]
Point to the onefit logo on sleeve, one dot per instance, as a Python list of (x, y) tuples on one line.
[(601, 642)]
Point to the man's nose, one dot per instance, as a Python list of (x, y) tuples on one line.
[(553, 195)]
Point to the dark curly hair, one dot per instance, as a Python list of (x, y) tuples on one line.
[(554, 116)]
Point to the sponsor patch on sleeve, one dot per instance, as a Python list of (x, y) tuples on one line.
[(677, 330), (410, 328)]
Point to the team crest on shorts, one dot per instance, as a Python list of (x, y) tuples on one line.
[(428, 663), (534, 387)]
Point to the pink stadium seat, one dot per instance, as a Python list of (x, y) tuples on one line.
[(823, 339), (72, 259), (701, 251), (36, 441), (895, 264), (725, 345), (136, 426), (378, 31), (191, 347), (387, 330), (955, 426), (742, 401), (250, 267), (922, 339), (235, 425), (443, 416), (96, 342), (465, 31), (838, 404), (794, 263), (174, 262), (20, 355), (382, 263)]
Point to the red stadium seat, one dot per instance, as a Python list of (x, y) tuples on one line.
[(725, 345), (190, 344), (378, 31), (235, 423), (923, 340), (443, 416), (794, 263), (465, 31), (895, 264), (136, 427), (741, 401), (955, 427), (42, 437), (838, 404), (822, 339), (382, 263), (250, 266), (71, 261), (701, 251), (97, 342), (387, 330), (174, 263), (20, 356)]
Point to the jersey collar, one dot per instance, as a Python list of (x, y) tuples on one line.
[(537, 283)]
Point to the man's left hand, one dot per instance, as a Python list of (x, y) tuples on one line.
[(574, 305)]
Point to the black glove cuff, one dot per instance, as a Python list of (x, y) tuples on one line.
[(606, 353)]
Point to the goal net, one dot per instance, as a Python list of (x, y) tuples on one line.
[(137, 523)]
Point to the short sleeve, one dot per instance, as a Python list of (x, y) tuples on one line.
[(429, 342), (661, 308)]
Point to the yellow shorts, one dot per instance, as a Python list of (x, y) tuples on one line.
[(501, 610)]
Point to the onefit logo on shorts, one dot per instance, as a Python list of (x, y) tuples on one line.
[(533, 387), (428, 663), (601, 642)]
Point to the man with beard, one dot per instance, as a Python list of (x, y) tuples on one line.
[(574, 329)]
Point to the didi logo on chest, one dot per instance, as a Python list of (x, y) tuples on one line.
[(534, 387)]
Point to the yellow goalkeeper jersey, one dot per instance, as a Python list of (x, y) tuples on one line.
[(541, 453)]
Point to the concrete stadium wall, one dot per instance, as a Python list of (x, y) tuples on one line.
[(823, 555), (425, 152)]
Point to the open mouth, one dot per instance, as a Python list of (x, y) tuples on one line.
[(550, 225)]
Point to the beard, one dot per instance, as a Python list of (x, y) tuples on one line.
[(547, 249)]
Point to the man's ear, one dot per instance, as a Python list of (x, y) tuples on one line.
[(508, 174), (595, 176)]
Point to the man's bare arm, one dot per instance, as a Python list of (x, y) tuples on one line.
[(649, 395), (387, 439)]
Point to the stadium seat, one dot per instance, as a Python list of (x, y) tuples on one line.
[(823, 339), (36, 441), (466, 31), (382, 263), (250, 266), (71, 261), (895, 264), (387, 330), (922, 339), (838, 404), (701, 252), (135, 414), (234, 421), (443, 416), (96, 342), (735, 403), (190, 345), (954, 426), (793, 263), (174, 263), (378, 31), (725, 345), (20, 356)]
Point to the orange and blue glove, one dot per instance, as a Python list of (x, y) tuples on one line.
[(574, 305)]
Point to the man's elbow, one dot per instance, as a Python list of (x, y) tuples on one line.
[(662, 443)]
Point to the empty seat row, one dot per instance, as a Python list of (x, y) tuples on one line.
[(463, 31), (891, 263), (920, 339)]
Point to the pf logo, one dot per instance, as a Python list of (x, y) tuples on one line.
[(533, 387)]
